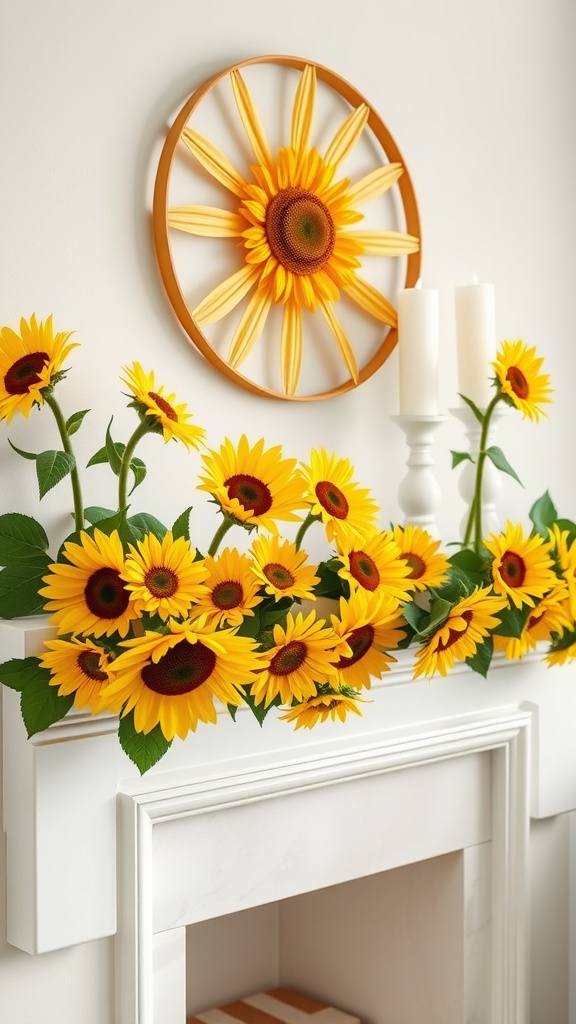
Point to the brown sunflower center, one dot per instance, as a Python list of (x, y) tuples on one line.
[(518, 382), (364, 570), (289, 658), (228, 594), (300, 230), (332, 499), (416, 565), (161, 581), (535, 619), (164, 406), (105, 595), (89, 664), (278, 575), (455, 634), (512, 569), (182, 669), (252, 493), (360, 640), (25, 372)]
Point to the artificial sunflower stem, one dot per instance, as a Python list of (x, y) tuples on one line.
[(474, 524), (221, 532), (74, 476), (143, 428), (303, 528)]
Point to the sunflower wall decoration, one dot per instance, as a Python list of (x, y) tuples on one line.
[(287, 295)]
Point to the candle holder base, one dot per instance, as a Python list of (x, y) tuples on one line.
[(419, 493)]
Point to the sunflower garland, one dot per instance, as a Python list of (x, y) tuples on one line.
[(168, 633)]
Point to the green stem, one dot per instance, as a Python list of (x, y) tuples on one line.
[(474, 524), (142, 429), (74, 477), (305, 526), (221, 532)]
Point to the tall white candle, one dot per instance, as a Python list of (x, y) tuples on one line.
[(418, 348), (476, 341)]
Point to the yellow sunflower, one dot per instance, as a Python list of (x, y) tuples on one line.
[(163, 576), (304, 655), (522, 567), (549, 616), (160, 410), (518, 370), (254, 485), (171, 679), (82, 668), (87, 593), (428, 566), (231, 590), (318, 709), (368, 625), (29, 363), (281, 569), (347, 511), (565, 554), (468, 624), (292, 218), (376, 564), (562, 655)]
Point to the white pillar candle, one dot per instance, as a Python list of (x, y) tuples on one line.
[(418, 348), (476, 341)]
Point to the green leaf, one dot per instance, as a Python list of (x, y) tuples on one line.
[(95, 513), (543, 514), (478, 414), (21, 537), (480, 661), (25, 455), (74, 422), (17, 672), (40, 704), (143, 750), (498, 459), (468, 561), (114, 451), (439, 611), (139, 470), (181, 527), (147, 523), (512, 621), (51, 468), (458, 457), (19, 586), (415, 616), (570, 526), (99, 457), (258, 710)]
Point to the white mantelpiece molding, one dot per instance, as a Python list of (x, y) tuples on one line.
[(431, 768)]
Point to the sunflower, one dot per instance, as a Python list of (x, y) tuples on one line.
[(231, 590), (253, 485), (428, 567), (281, 569), (292, 218), (30, 362), (163, 577), (347, 511), (467, 625), (159, 410), (564, 652), (321, 707), (86, 593), (522, 567), (565, 553), (376, 564), (303, 655), (171, 679), (517, 369), (82, 668), (548, 617), (368, 624)]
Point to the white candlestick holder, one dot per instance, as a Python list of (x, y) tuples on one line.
[(491, 479), (419, 493)]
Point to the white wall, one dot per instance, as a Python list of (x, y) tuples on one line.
[(478, 97)]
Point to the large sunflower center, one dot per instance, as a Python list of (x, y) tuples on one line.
[(182, 669), (278, 575), (164, 406), (252, 493), (89, 664), (364, 570), (416, 565), (332, 499), (455, 634), (300, 230), (105, 595), (512, 569), (518, 382), (289, 658), (24, 373), (360, 640), (227, 594), (161, 581)]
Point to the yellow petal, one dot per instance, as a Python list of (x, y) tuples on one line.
[(303, 111), (291, 349), (385, 243), (250, 119), (206, 220), (371, 300), (226, 296), (347, 136), (250, 327), (343, 343), (214, 161), (374, 184)]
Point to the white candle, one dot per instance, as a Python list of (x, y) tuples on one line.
[(476, 341), (418, 348)]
